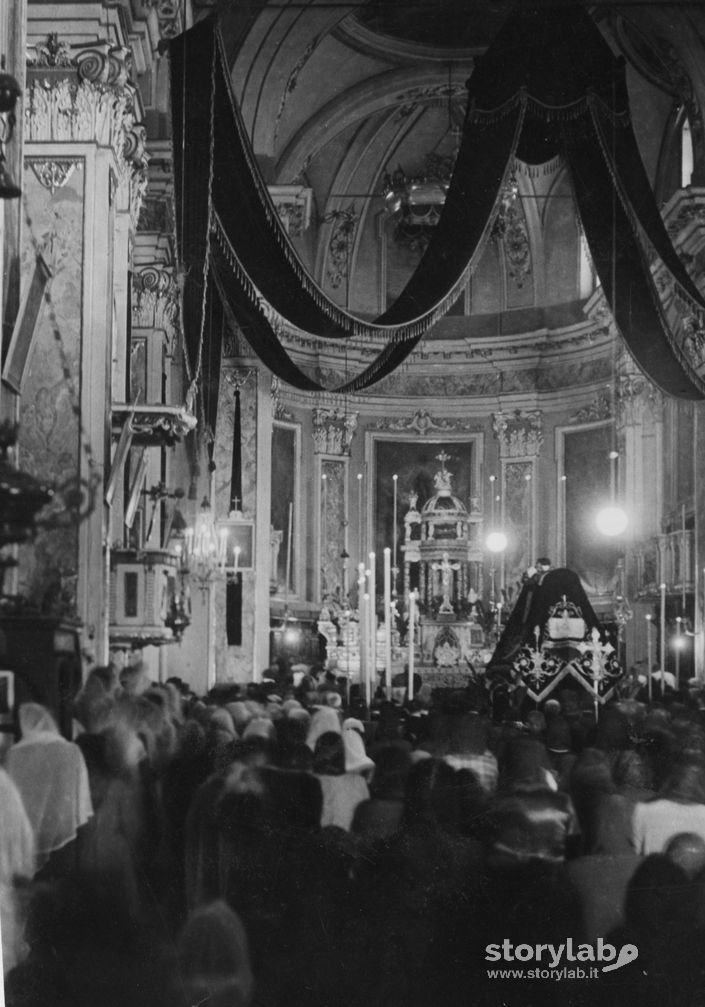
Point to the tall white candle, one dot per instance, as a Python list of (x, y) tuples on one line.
[(679, 641), (411, 634), (372, 589), (395, 479), (360, 546), (663, 638), (288, 550), (361, 621), (649, 657), (364, 617), (388, 622)]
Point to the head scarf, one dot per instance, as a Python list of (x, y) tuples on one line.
[(325, 719), (356, 758), (214, 958), (16, 861), (52, 779)]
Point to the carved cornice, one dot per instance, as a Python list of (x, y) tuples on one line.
[(333, 431), (520, 433)]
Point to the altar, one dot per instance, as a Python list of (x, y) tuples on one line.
[(443, 563)]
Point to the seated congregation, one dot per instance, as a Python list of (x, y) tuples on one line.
[(259, 848)]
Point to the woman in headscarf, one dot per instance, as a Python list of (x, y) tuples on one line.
[(214, 959), (16, 865), (356, 758), (51, 776), (342, 791), (324, 720)]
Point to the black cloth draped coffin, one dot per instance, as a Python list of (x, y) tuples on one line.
[(548, 85)]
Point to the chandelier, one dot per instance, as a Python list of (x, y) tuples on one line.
[(204, 548), (211, 549), (415, 202)]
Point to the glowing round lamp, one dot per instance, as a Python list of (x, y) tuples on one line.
[(496, 541), (612, 521)]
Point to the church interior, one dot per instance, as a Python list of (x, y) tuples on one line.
[(360, 340), (170, 429)]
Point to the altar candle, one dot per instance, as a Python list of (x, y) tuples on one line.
[(388, 622), (649, 656), (361, 621), (395, 480), (663, 638), (359, 514), (679, 640), (372, 588), (363, 637), (411, 634), (324, 532)]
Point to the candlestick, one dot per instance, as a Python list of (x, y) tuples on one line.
[(372, 588), (395, 480), (679, 641), (360, 547), (361, 622), (649, 657), (288, 552), (324, 533), (411, 633), (663, 638), (683, 554), (368, 678), (388, 622)]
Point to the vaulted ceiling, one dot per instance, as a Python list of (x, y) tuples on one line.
[(336, 95)]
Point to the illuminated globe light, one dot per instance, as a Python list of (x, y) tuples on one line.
[(612, 521), (496, 541)]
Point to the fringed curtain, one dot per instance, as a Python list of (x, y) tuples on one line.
[(547, 86)]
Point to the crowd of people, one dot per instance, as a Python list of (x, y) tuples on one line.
[(277, 844)]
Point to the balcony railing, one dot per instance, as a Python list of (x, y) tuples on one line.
[(666, 559)]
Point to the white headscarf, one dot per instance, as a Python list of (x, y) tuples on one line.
[(356, 758), (52, 779), (16, 861), (324, 719)]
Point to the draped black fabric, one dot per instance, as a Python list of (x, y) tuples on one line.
[(233, 590), (531, 613), (548, 85)]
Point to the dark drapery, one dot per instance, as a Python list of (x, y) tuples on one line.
[(547, 85)]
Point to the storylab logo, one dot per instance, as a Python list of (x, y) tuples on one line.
[(568, 960)]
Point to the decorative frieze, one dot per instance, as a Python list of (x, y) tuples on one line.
[(520, 433), (422, 423), (333, 431)]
